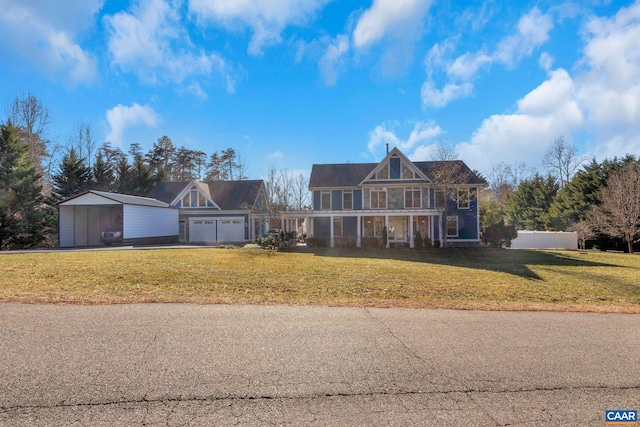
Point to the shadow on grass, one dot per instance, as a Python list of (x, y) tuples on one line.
[(516, 262)]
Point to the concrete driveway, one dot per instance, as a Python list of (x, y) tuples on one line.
[(258, 365)]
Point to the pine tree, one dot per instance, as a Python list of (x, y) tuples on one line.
[(73, 176), (103, 174), (23, 216)]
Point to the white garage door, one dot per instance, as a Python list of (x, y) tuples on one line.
[(213, 230), (231, 230), (202, 230)]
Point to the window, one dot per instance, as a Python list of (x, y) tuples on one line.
[(182, 229), (412, 198), (337, 226), (194, 199), (452, 226), (325, 203), (378, 198), (463, 199), (406, 172), (439, 199), (347, 200)]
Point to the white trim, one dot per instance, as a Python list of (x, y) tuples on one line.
[(187, 190), (419, 175), (457, 226)]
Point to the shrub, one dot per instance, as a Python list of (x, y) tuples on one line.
[(436, 243), (318, 242), (417, 240), (384, 236), (345, 242), (369, 242), (499, 235)]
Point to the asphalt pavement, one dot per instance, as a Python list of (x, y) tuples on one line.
[(194, 365)]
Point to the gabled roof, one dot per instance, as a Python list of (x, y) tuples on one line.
[(89, 197), (168, 191), (352, 174), (339, 175), (235, 195), (228, 195)]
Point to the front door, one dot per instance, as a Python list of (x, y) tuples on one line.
[(397, 230)]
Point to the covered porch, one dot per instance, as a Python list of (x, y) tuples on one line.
[(338, 226)]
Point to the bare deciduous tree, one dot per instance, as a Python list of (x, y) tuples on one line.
[(82, 141), (31, 119), (618, 215), (562, 160), (448, 173)]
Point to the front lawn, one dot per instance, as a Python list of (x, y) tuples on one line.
[(448, 278)]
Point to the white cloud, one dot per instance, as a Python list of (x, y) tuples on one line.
[(396, 23), (121, 117), (531, 32), (267, 19), (332, 59), (434, 97), (422, 133), (398, 18), (544, 114), (45, 34), (609, 86), (150, 41)]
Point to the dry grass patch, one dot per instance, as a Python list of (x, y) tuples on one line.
[(451, 278)]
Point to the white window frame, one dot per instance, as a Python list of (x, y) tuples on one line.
[(322, 206), (467, 197), (378, 191), (338, 226), (344, 205), (413, 191), (452, 218)]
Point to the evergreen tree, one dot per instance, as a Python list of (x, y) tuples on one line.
[(161, 158), (103, 174), (574, 201), (528, 207), (73, 176), (23, 215), (142, 179)]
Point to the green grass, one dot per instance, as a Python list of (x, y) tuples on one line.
[(448, 278)]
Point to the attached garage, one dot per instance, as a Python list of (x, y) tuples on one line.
[(216, 229), (144, 220)]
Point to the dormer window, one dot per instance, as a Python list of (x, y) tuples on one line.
[(195, 199)]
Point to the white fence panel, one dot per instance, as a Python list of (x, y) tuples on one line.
[(545, 240)]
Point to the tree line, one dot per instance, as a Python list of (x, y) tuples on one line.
[(598, 200)]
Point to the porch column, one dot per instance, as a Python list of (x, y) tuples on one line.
[(386, 224), (306, 226), (331, 232), (411, 244), (359, 232), (440, 236)]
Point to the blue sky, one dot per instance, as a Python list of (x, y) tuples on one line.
[(289, 83)]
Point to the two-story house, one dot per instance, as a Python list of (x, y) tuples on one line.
[(358, 200)]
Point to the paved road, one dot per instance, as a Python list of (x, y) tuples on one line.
[(259, 365)]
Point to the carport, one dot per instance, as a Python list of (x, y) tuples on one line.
[(144, 220)]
